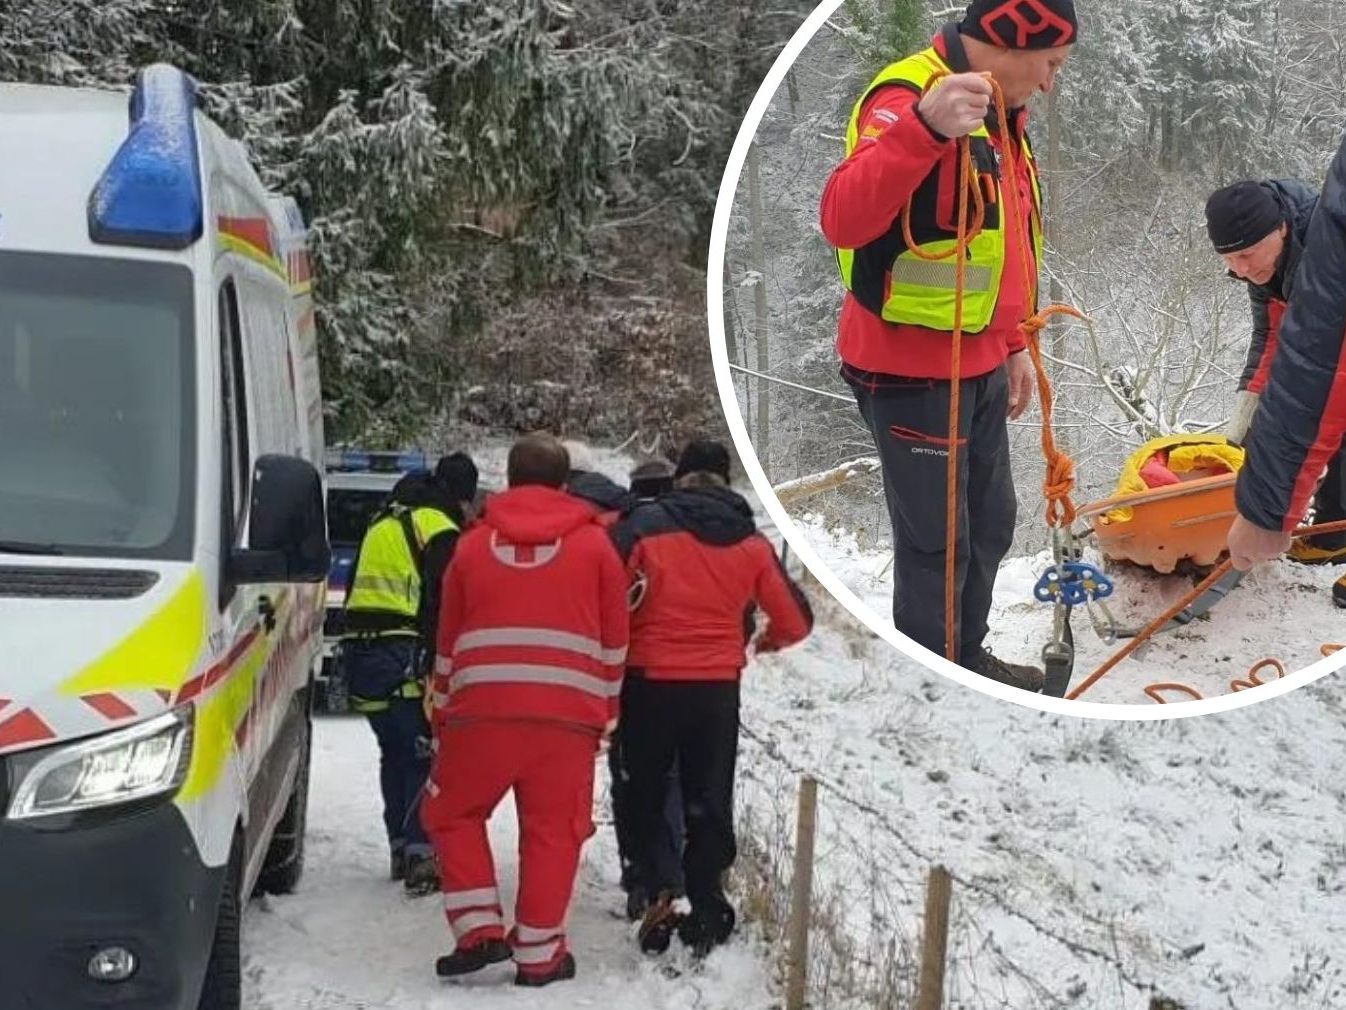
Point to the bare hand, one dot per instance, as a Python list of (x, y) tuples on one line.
[(957, 104), (1249, 544), (1021, 376)]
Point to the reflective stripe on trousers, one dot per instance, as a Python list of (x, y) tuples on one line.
[(533, 946)]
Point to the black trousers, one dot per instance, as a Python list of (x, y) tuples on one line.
[(693, 725), (1329, 505), (623, 822), (374, 669), (909, 419)]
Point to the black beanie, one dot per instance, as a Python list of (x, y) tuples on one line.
[(1021, 24), (1241, 215), (703, 455), (457, 474)]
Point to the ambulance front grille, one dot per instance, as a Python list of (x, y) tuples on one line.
[(74, 583)]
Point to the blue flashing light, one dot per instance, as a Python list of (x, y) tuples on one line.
[(352, 459), (150, 193), (377, 461), (413, 462)]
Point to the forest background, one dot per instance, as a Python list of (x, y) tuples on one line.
[(509, 200)]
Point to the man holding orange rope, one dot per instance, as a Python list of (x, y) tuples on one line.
[(900, 184)]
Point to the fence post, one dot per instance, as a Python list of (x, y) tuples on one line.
[(801, 896), (934, 944)]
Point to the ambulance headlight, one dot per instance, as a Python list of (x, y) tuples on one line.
[(140, 762)]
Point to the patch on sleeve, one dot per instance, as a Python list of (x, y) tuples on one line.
[(881, 120)]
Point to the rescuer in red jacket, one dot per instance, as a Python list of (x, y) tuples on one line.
[(532, 640), (895, 333), (699, 570)]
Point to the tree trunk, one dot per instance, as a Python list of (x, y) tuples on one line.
[(762, 441)]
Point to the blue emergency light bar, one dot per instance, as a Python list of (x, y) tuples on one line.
[(150, 193), (362, 461)]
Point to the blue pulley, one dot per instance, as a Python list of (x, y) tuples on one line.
[(1073, 583)]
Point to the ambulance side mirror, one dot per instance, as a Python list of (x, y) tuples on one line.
[(287, 525)]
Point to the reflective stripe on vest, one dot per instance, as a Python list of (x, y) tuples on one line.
[(533, 673), (386, 578), (410, 689), (917, 291)]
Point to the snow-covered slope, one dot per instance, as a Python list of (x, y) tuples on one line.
[(1280, 610), (1096, 859)]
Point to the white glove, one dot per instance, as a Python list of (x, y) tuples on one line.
[(1245, 406)]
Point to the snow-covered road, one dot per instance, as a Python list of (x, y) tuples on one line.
[(349, 939)]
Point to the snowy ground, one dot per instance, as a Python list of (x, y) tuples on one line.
[(1203, 859), (349, 939), (1095, 861), (1280, 610)]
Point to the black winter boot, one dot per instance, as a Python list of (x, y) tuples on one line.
[(565, 969), (422, 876), (710, 924), (466, 960)]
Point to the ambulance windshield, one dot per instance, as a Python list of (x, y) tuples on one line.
[(97, 416)]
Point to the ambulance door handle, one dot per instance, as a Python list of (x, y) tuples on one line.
[(268, 611)]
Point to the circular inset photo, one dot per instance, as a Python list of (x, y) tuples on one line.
[(1036, 366)]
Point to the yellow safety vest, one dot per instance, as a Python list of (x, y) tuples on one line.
[(922, 292), (387, 574)]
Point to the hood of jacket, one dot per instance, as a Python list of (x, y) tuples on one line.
[(1297, 200), (535, 514), (714, 515)]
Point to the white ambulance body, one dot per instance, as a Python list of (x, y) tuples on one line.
[(162, 546)]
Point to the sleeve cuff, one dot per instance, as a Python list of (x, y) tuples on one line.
[(934, 134)]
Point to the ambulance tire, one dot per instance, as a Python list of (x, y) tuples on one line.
[(284, 863), (222, 988)]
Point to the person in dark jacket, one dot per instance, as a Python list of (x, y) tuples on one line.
[(455, 487), (1258, 228), (897, 317), (699, 569), (1299, 423), (651, 479), (584, 481)]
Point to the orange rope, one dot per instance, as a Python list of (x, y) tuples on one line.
[(1060, 479), (967, 231), (1149, 630)]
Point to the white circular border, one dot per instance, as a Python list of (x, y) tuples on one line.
[(719, 356)]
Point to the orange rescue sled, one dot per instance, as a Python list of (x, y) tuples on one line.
[(1185, 518)]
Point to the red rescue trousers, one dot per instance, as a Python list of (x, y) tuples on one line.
[(551, 770)]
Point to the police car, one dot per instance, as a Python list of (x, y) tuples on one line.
[(358, 483)]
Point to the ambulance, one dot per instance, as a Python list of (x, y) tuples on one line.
[(162, 547)]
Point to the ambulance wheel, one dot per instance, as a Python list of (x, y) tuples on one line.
[(284, 863), (222, 988)]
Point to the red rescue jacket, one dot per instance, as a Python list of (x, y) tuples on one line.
[(533, 620), (705, 569), (862, 199)]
